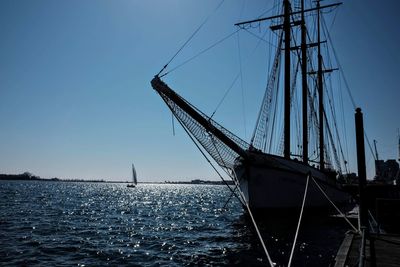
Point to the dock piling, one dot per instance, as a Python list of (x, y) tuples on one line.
[(362, 174)]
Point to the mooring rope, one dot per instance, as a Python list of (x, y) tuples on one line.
[(229, 198), (271, 263), (226, 171), (298, 224), (246, 204), (373, 224), (338, 210)]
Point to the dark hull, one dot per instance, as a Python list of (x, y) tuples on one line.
[(272, 182)]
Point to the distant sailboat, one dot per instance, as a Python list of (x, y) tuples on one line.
[(134, 177)]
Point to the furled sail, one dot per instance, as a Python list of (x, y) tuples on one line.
[(260, 135)]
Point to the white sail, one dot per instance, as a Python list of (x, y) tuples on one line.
[(134, 177)]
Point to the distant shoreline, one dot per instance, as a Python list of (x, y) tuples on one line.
[(29, 177)]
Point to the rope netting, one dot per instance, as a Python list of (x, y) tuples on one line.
[(219, 151)]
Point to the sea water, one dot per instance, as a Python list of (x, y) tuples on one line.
[(96, 224)]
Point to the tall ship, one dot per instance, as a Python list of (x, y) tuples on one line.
[(307, 142)]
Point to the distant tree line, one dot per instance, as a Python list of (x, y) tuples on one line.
[(27, 176), (22, 176)]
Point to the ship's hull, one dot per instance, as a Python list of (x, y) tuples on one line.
[(271, 182)]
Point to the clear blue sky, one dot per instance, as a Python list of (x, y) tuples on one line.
[(75, 94)]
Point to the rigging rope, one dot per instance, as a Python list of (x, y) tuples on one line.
[(347, 85), (331, 100), (271, 263), (226, 93), (338, 210), (201, 52), (298, 224), (236, 77), (173, 124), (191, 37), (262, 118), (234, 81), (259, 38), (340, 67), (275, 114), (344, 131), (227, 201), (330, 135), (204, 155), (241, 85), (265, 12)]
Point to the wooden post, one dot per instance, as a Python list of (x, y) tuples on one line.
[(362, 173)]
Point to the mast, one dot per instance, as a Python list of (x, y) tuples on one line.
[(320, 93), (286, 28), (398, 136), (304, 83), (376, 150)]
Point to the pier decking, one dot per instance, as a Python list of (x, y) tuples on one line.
[(381, 250)]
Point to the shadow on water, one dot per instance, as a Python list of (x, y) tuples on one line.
[(319, 238)]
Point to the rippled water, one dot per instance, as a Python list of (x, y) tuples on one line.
[(92, 224)]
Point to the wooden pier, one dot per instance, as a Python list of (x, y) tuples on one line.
[(379, 211), (381, 250)]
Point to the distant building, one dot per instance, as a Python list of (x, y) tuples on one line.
[(386, 171), (350, 178)]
